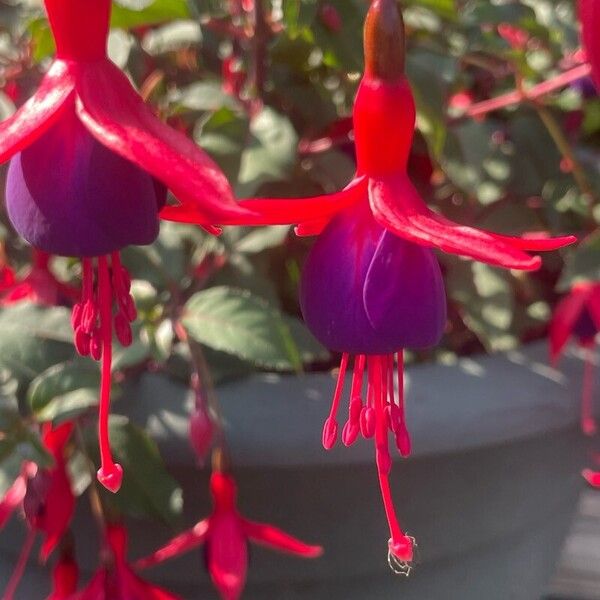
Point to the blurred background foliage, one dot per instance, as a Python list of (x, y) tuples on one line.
[(267, 90)]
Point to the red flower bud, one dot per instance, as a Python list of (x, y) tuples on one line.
[(330, 17)]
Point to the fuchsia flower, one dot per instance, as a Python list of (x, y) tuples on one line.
[(577, 316), (371, 285), (46, 498), (116, 580), (89, 172), (39, 285), (225, 534)]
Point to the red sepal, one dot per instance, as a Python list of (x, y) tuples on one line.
[(565, 316), (397, 206), (188, 540), (276, 539), (117, 116), (40, 112)]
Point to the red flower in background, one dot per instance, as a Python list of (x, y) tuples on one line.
[(225, 534), (38, 285), (46, 498), (577, 316), (90, 167), (116, 580)]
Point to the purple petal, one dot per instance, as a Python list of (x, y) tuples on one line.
[(404, 294), (69, 195), (366, 291)]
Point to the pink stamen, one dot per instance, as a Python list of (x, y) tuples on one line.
[(330, 428), (19, 570), (380, 414), (352, 427), (588, 422), (403, 442), (110, 474)]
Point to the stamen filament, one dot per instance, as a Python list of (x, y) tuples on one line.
[(330, 428)]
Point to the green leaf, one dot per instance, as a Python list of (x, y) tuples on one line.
[(270, 153), (487, 300), (62, 379), (128, 14), (430, 75), (34, 338), (148, 490), (173, 36), (235, 321)]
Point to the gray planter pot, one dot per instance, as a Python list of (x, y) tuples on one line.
[(489, 491)]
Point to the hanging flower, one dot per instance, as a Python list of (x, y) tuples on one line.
[(577, 316), (116, 579), (367, 293), (46, 498), (38, 285), (225, 535), (371, 286), (89, 172)]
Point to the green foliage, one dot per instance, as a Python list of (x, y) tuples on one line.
[(239, 323), (236, 294)]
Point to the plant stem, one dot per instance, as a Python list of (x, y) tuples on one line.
[(562, 143), (519, 95), (259, 49)]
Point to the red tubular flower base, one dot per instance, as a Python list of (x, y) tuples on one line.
[(382, 413), (93, 320)]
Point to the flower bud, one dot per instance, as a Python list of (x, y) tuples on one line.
[(384, 41), (201, 432)]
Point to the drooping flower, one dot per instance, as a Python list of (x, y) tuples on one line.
[(89, 172), (46, 498), (39, 285), (367, 293), (225, 535), (371, 286), (116, 579), (577, 316)]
